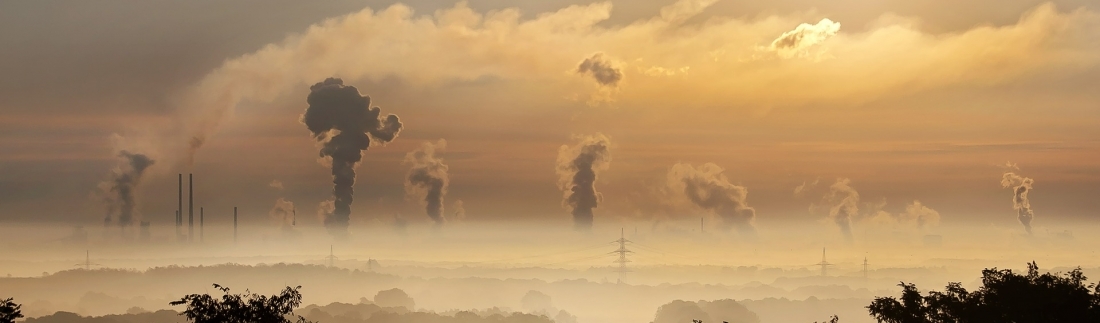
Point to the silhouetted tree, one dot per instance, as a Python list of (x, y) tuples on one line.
[(242, 308), (1004, 297), (9, 311)]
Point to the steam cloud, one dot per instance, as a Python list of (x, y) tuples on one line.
[(795, 42), (577, 168), (843, 205), (283, 213), (601, 69), (343, 121), (428, 178), (118, 191), (460, 210), (708, 188), (1020, 187)]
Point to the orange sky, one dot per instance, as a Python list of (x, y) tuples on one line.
[(909, 103)]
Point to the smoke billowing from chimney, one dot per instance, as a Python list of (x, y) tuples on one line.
[(345, 124), (428, 178), (843, 205), (282, 213), (1020, 187), (459, 212), (709, 189), (120, 188), (577, 168), (601, 69)]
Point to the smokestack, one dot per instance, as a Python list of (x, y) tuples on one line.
[(201, 217), (179, 210), (190, 207), (346, 124), (234, 224)]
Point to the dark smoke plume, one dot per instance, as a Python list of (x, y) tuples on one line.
[(577, 168), (601, 69), (428, 179), (843, 205), (118, 191), (343, 121), (1020, 187), (708, 188)]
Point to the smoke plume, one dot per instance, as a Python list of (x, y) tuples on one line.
[(276, 184), (119, 190), (343, 121), (577, 168), (427, 178), (601, 69), (709, 189), (843, 205), (283, 214), (459, 213), (1020, 187)]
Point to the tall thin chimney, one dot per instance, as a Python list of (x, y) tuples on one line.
[(234, 224), (201, 217), (179, 210), (190, 207)]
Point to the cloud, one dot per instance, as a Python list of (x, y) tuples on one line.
[(796, 42), (462, 45), (276, 184), (577, 169)]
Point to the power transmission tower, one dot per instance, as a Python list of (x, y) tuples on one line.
[(87, 261), (331, 257), (622, 251), (865, 264), (824, 264)]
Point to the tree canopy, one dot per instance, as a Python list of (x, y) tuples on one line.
[(242, 308), (1005, 296), (10, 311)]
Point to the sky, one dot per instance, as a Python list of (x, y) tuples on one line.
[(749, 114)]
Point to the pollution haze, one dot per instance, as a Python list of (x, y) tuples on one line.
[(565, 161)]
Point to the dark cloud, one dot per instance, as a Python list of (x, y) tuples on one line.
[(707, 188), (577, 168), (428, 178), (119, 190), (1020, 187), (601, 69), (342, 120)]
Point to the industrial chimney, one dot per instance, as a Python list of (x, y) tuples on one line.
[(234, 224), (190, 207), (201, 217), (179, 210)]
